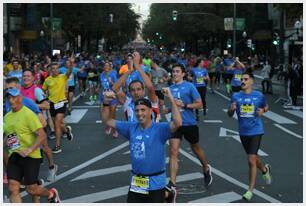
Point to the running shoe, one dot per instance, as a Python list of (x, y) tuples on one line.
[(248, 195), (115, 134), (56, 149), (54, 196), (267, 175), (172, 192), (91, 98), (95, 97), (51, 135), (69, 133), (208, 177), (108, 130), (52, 174)]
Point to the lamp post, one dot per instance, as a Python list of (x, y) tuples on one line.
[(244, 35)]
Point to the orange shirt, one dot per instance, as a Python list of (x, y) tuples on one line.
[(123, 69)]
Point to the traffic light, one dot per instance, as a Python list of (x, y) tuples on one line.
[(253, 47), (275, 40), (229, 43), (174, 15)]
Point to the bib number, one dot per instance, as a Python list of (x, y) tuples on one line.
[(200, 80), (155, 80), (247, 111), (59, 105), (12, 141), (140, 184)]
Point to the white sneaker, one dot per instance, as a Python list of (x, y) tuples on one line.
[(52, 174)]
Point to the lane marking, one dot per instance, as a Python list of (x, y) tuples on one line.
[(295, 113), (212, 121), (219, 198), (76, 115), (278, 118), (120, 191), (127, 152), (288, 131), (224, 132), (77, 97), (230, 179), (83, 165), (99, 121), (222, 95), (107, 171)]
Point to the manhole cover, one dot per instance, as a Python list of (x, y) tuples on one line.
[(188, 189)]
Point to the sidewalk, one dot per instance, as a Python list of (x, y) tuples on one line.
[(257, 74)]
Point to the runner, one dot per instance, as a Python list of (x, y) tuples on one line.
[(228, 74), (16, 72), (238, 68), (23, 136), (147, 145), (187, 98), (30, 90), (199, 79), (55, 84), (107, 79), (249, 106), (93, 79)]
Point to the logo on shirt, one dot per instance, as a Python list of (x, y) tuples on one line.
[(139, 137)]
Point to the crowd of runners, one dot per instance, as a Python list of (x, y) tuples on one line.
[(162, 95)]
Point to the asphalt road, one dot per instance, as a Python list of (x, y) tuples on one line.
[(95, 167)]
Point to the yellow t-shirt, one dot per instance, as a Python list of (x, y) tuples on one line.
[(56, 87), (20, 128), (9, 67)]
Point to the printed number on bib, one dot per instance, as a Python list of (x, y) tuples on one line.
[(247, 110), (140, 184), (200, 80), (59, 105), (12, 141)]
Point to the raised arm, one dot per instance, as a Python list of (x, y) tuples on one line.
[(176, 114), (106, 117)]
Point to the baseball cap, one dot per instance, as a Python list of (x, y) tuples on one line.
[(13, 92), (143, 101)]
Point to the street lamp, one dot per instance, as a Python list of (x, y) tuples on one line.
[(244, 34)]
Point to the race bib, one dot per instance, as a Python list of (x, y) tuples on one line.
[(12, 142), (91, 74), (200, 80), (238, 76), (247, 110), (140, 184), (155, 80), (59, 105)]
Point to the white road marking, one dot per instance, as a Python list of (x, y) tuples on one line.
[(76, 115), (278, 118), (234, 116), (297, 113), (89, 103), (83, 165), (224, 132), (212, 121), (222, 95), (219, 198), (86, 106), (257, 76), (120, 191), (99, 121), (127, 152), (288, 131), (107, 171), (230, 179), (77, 97)]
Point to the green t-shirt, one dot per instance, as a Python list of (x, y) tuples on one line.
[(20, 128), (147, 62)]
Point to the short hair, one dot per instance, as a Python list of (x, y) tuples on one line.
[(180, 66), (28, 70), (53, 64), (135, 81), (251, 75), (12, 79), (198, 61)]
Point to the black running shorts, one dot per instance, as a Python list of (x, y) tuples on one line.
[(236, 89), (54, 112), (190, 133), (25, 168), (251, 144), (154, 196)]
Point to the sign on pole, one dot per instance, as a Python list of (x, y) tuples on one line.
[(240, 24), (228, 24), (56, 24)]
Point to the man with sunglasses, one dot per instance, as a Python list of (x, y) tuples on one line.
[(249, 106)]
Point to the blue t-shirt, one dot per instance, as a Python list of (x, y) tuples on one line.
[(107, 80), (236, 80), (29, 103), (135, 75), (227, 63), (147, 148), (247, 105), (17, 74), (198, 75), (71, 79), (186, 92)]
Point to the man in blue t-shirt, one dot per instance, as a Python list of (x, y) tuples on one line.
[(237, 68), (147, 145), (187, 99), (228, 73), (249, 106)]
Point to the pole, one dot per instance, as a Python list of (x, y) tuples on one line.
[(234, 32), (8, 43), (51, 19), (282, 38)]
